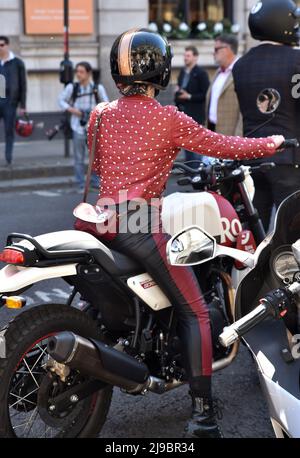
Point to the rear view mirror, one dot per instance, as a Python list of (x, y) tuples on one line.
[(268, 101), (194, 246), (191, 247)]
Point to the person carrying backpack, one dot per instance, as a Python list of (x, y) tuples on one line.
[(79, 99)]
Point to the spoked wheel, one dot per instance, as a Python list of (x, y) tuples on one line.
[(38, 396)]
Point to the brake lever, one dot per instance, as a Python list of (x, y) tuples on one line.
[(265, 166), (186, 168)]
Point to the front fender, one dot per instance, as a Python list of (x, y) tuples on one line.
[(15, 278)]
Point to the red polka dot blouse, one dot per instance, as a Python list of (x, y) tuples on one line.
[(139, 139)]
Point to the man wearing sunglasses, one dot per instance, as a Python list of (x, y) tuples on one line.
[(12, 69), (223, 111)]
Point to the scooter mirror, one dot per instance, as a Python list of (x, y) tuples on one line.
[(268, 101), (191, 247)]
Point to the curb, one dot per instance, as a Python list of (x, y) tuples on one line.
[(17, 173), (34, 184)]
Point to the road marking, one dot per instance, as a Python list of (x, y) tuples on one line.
[(48, 296), (46, 193), (57, 193)]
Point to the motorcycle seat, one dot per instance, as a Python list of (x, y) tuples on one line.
[(114, 262)]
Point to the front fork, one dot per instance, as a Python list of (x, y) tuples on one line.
[(254, 220)]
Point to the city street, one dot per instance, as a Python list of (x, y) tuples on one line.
[(129, 90), (245, 412)]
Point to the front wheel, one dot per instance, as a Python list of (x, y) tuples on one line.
[(27, 386)]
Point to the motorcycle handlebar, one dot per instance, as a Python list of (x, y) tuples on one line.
[(230, 166), (275, 303), (232, 333)]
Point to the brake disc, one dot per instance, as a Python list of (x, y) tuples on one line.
[(50, 386)]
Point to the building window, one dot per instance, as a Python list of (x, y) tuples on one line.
[(191, 18)]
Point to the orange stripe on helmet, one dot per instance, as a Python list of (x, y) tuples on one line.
[(124, 57)]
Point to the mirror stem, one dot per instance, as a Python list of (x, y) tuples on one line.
[(243, 256), (261, 125)]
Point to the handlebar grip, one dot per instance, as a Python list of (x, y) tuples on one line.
[(232, 333), (228, 336), (290, 143)]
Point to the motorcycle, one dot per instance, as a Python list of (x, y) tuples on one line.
[(267, 309), (58, 364)]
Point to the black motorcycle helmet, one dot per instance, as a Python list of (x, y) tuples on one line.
[(141, 56), (275, 20)]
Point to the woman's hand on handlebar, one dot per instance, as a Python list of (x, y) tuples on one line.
[(286, 143), (278, 140)]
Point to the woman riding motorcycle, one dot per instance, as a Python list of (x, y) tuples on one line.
[(137, 141)]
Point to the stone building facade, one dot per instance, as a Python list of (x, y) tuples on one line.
[(43, 53)]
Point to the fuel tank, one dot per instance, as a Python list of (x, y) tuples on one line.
[(209, 210)]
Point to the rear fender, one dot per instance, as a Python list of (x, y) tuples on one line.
[(15, 278)]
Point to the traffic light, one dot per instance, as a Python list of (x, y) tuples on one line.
[(66, 72)]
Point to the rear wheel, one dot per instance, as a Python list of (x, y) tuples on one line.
[(27, 385)]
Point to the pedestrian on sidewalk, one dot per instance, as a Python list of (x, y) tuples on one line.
[(79, 99), (190, 96), (13, 70), (223, 110)]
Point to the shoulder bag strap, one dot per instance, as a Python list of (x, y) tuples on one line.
[(92, 153), (75, 94)]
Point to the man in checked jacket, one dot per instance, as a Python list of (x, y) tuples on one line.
[(223, 110), (272, 64)]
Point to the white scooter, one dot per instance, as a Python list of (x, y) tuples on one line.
[(267, 309)]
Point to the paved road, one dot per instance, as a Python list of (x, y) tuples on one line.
[(245, 413)]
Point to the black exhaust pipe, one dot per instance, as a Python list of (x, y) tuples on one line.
[(98, 360)]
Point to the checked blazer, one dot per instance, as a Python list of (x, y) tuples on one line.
[(229, 116)]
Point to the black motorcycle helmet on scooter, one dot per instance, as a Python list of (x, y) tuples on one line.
[(141, 56), (275, 20)]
